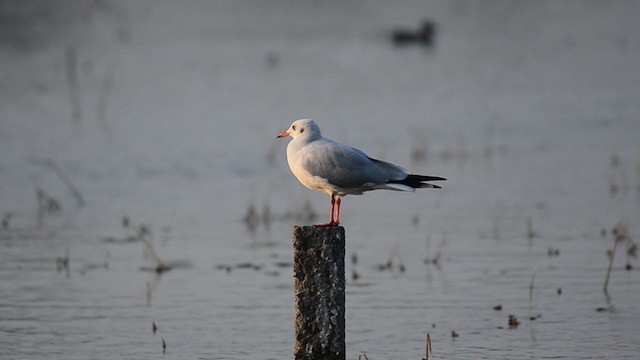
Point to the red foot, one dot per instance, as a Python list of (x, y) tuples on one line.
[(333, 223)]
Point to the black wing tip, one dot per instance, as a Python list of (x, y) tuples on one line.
[(414, 177), (419, 181)]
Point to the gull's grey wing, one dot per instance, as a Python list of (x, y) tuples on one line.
[(347, 167), (394, 172)]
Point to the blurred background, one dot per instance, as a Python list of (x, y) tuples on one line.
[(147, 205)]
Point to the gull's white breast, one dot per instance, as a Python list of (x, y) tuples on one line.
[(296, 154)]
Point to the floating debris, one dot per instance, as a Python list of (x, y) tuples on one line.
[(551, 252), (248, 265), (164, 347), (513, 322), (283, 264), (608, 309), (122, 240), (154, 328), (158, 269), (393, 263), (62, 262), (498, 307), (454, 334), (226, 268), (422, 36), (632, 251), (354, 275), (168, 265), (244, 265)]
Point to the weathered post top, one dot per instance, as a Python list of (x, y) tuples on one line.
[(318, 268)]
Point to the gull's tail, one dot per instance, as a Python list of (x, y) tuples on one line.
[(418, 181)]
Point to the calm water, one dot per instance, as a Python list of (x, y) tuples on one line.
[(168, 113)]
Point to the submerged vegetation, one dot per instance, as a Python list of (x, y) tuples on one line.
[(620, 233), (254, 218)]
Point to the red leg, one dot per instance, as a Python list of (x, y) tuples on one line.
[(338, 211), (333, 206)]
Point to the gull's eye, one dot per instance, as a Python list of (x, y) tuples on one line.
[(301, 130), (293, 127)]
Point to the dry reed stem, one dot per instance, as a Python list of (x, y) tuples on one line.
[(49, 163), (611, 257), (428, 350)]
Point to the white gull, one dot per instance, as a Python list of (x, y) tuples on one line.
[(327, 166)]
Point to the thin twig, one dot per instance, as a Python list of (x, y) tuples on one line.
[(531, 296), (145, 237), (616, 236), (149, 246), (49, 163)]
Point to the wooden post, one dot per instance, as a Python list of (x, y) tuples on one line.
[(318, 267)]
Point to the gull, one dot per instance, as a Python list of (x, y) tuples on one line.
[(326, 166)]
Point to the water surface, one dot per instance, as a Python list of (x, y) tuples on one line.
[(168, 113)]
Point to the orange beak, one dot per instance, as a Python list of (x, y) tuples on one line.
[(282, 134)]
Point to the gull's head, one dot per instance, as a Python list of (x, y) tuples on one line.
[(304, 128)]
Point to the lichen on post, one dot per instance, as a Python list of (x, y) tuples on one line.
[(318, 268)]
